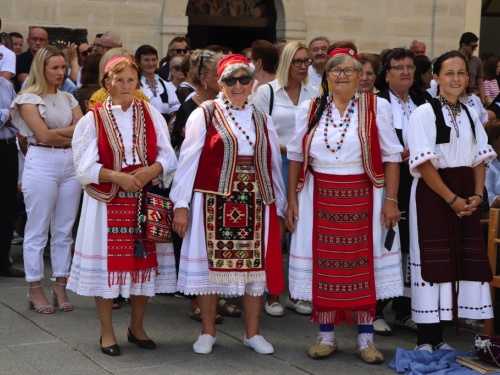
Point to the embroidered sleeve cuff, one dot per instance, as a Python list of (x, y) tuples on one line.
[(394, 158), (295, 156), (94, 173), (421, 157), (181, 204), (486, 154)]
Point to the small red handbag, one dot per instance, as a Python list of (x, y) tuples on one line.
[(488, 349)]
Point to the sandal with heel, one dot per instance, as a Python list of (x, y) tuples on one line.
[(65, 306), (41, 309)]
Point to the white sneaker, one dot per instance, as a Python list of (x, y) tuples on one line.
[(17, 239), (259, 344), (300, 307), (443, 346), (380, 327), (427, 347), (204, 344), (275, 309)]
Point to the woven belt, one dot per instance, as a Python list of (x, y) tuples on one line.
[(49, 146), (8, 141)]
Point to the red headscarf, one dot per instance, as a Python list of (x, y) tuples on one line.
[(115, 60), (231, 60), (344, 51)]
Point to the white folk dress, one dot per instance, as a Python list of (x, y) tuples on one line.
[(348, 161), (193, 268), (432, 302), (89, 274)]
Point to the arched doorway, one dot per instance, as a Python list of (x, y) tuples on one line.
[(231, 23)]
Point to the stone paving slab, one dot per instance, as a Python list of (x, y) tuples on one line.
[(68, 343)]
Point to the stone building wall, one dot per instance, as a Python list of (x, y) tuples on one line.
[(371, 24)]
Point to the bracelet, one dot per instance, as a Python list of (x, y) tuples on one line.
[(392, 199), (478, 195), (453, 200)]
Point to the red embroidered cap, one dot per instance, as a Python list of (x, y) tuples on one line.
[(114, 60), (344, 51), (231, 60)]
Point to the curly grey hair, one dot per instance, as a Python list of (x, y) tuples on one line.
[(339, 59), (231, 69)]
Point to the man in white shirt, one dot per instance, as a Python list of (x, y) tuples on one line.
[(7, 61), (318, 51)]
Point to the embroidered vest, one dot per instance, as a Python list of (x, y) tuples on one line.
[(218, 157), (442, 130), (110, 153), (368, 136)]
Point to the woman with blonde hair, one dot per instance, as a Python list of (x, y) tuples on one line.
[(280, 99), (47, 116), (176, 76)]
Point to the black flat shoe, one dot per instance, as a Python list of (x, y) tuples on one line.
[(112, 350), (144, 344)]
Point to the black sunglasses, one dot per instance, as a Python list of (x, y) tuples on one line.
[(206, 56), (177, 67), (473, 46), (231, 81), (85, 53), (180, 50)]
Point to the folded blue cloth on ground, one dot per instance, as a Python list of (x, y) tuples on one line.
[(421, 362)]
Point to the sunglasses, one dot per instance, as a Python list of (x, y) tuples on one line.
[(231, 81), (177, 67), (206, 56), (297, 62), (473, 46), (87, 52), (180, 50)]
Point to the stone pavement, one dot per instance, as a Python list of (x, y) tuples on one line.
[(68, 343)]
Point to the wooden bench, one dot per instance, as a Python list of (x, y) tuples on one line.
[(493, 242)]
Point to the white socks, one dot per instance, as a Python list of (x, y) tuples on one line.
[(327, 337), (363, 339)]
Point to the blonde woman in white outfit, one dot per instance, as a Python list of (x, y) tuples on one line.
[(47, 117)]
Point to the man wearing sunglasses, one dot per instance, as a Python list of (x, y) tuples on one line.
[(179, 46), (468, 44), (37, 38)]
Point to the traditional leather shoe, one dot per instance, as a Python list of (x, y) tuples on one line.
[(112, 350), (406, 323), (300, 307), (259, 344), (204, 344), (274, 310), (443, 346), (11, 272), (319, 350), (144, 344), (370, 354), (427, 347), (380, 327)]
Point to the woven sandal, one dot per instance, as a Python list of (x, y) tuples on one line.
[(319, 350), (370, 354), (41, 309), (230, 310), (65, 306)]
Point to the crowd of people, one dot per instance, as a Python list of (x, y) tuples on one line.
[(195, 172)]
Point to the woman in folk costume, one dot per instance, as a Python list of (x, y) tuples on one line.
[(119, 147), (448, 151), (344, 152), (228, 193)]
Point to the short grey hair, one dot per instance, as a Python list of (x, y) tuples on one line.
[(317, 39), (413, 42), (231, 69), (114, 37), (341, 58)]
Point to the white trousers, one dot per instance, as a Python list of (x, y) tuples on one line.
[(51, 195)]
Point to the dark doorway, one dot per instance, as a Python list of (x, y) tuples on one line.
[(236, 38)]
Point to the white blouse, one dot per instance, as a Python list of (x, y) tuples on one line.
[(173, 102), (196, 131), (474, 102), (493, 180), (401, 113), (86, 152), (348, 160), (283, 108), (463, 151)]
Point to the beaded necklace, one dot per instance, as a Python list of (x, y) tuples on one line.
[(118, 132), (453, 111), (153, 89), (229, 108), (405, 106), (344, 124)]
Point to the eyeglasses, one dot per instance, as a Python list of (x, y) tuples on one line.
[(180, 50), (336, 72), (39, 40), (297, 62), (473, 46), (177, 67), (401, 68), (86, 52), (206, 56), (231, 81)]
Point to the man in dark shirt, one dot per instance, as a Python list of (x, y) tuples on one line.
[(37, 38), (468, 44), (179, 46)]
